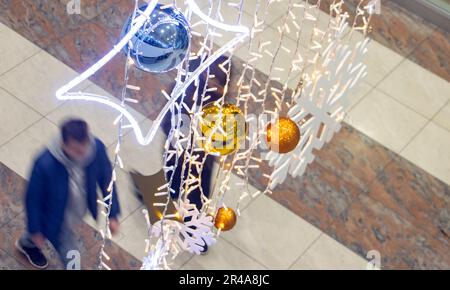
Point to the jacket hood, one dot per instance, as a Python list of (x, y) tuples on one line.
[(55, 148)]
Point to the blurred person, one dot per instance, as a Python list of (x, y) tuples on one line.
[(62, 189)]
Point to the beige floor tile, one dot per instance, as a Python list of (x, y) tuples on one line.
[(14, 49), (127, 196), (223, 256), (306, 27), (419, 89), (229, 12), (231, 17), (15, 116), (134, 232), (380, 61), (36, 80), (282, 61), (430, 150), (95, 89), (237, 188), (275, 10), (179, 261), (259, 234), (146, 160), (99, 117), (443, 117), (385, 120), (128, 204), (294, 80), (19, 153), (328, 254), (362, 89), (99, 224)]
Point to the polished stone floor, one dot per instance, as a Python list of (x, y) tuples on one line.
[(381, 184)]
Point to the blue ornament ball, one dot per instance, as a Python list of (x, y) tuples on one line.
[(162, 43)]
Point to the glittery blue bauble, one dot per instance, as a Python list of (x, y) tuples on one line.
[(162, 43)]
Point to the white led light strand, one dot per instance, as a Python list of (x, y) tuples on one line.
[(318, 99)]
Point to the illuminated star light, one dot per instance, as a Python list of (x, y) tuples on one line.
[(63, 92)]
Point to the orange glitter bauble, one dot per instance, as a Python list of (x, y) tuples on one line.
[(225, 219), (283, 135)]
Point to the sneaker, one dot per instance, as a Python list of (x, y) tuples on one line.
[(34, 256)]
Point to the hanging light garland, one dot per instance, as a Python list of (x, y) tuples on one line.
[(157, 38)]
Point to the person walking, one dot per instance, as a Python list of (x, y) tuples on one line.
[(62, 188)]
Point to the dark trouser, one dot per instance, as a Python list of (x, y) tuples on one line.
[(219, 81), (195, 195)]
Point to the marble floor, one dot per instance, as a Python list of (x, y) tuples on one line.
[(382, 183)]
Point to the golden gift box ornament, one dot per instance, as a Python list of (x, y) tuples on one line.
[(283, 135), (225, 219), (223, 128)]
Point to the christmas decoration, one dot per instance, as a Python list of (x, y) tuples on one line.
[(319, 112), (223, 128), (162, 43), (283, 135), (225, 219), (326, 65), (190, 235)]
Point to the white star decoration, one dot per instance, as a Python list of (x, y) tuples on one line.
[(64, 93)]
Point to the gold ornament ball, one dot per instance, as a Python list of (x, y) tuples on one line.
[(232, 128), (225, 219), (283, 136)]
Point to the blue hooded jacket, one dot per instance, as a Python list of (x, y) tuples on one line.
[(47, 193)]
